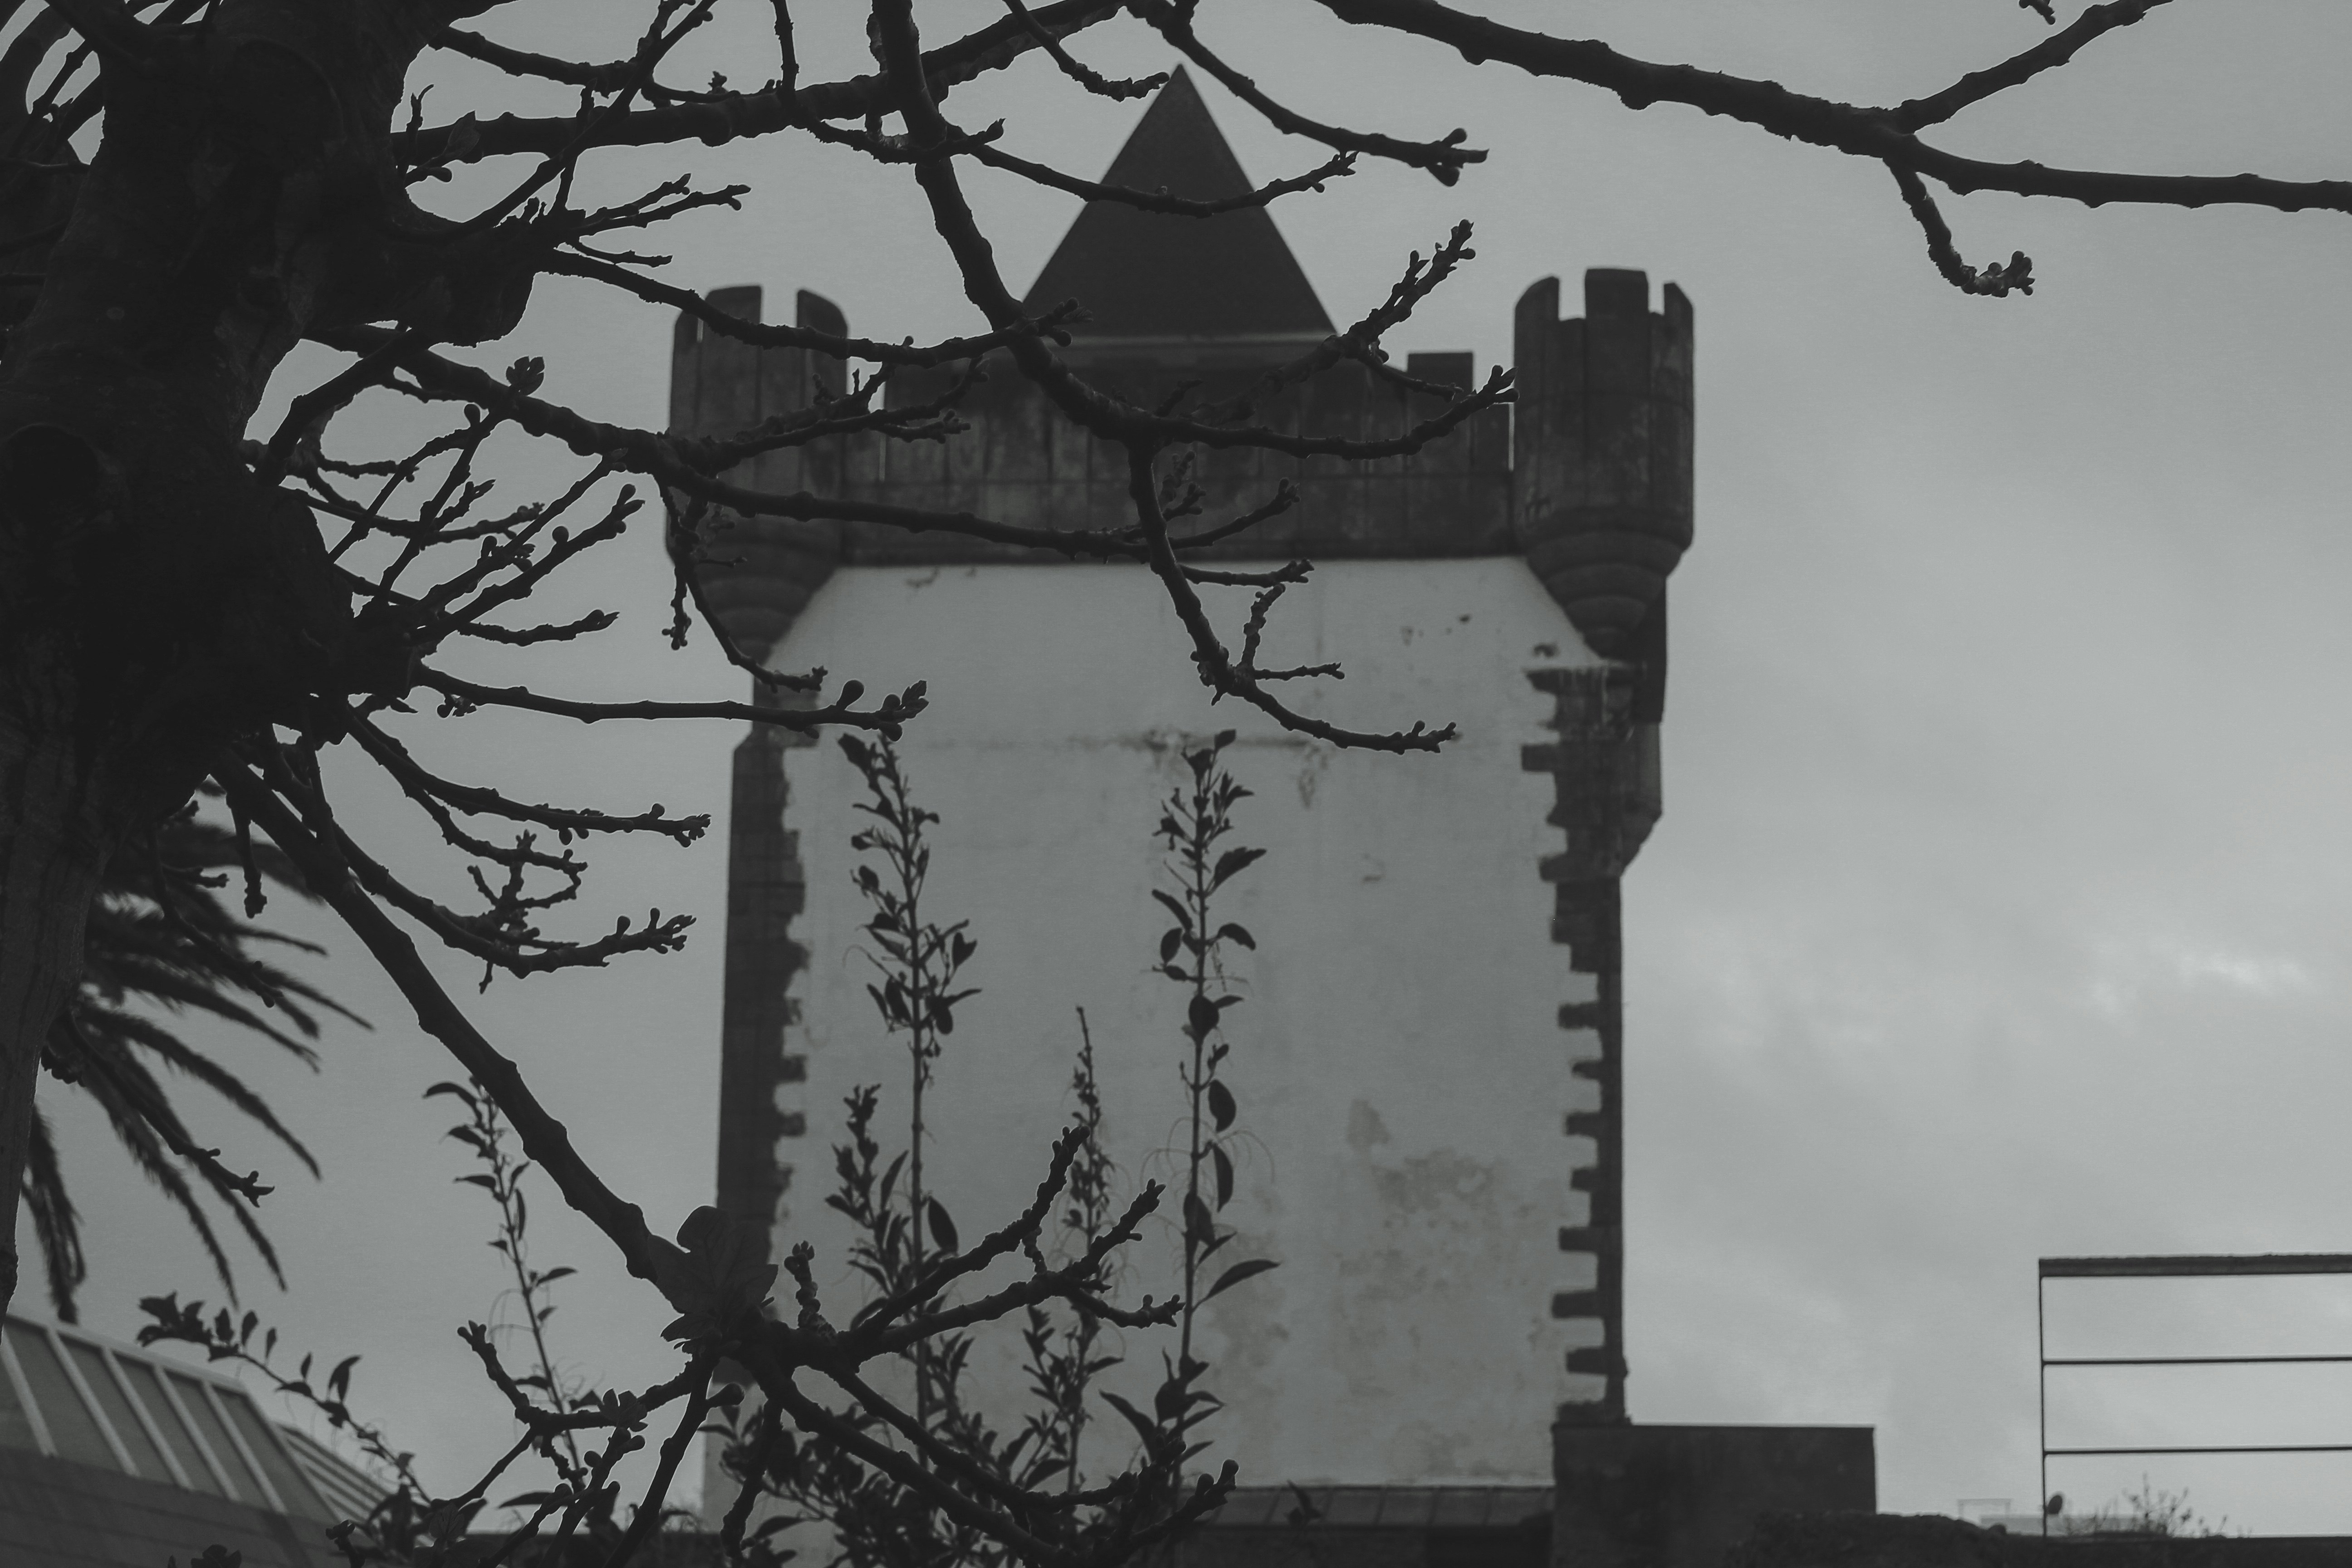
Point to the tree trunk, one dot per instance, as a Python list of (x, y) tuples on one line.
[(50, 858), (158, 601)]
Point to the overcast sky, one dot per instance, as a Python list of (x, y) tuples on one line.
[(2000, 909)]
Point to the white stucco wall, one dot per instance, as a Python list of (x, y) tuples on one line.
[(1398, 1061)]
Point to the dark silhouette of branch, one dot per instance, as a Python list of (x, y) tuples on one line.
[(1218, 671), (479, 801), (739, 115), (466, 696), (772, 335), (1337, 167), (616, 76), (1092, 80), (2053, 51), (1996, 280), (1444, 158), (1875, 133)]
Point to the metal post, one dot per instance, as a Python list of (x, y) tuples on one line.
[(2041, 1392)]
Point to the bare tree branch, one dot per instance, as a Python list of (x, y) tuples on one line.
[(2053, 51), (1996, 279), (1444, 158), (1092, 80), (774, 335), (741, 115), (466, 696), (1338, 167), (1872, 133)]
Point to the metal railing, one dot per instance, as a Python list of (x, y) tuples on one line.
[(2175, 1268)]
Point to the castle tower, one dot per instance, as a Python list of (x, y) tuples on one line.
[(1428, 1062)]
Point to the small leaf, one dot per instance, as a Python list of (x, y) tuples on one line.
[(339, 1382), (1231, 863), (1224, 1165), (1220, 1103), (1170, 942), (448, 1089), (552, 1275), (943, 1230), (1200, 1017), (1225, 737), (1237, 1273), (1229, 931), (1135, 1418), (1199, 1229)]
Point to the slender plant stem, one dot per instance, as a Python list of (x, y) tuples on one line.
[(510, 1229), (1196, 895)]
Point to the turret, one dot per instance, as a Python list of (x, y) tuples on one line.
[(1600, 484)]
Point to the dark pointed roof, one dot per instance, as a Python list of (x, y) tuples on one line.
[(1155, 275)]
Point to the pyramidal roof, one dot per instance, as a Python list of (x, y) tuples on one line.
[(1156, 275)]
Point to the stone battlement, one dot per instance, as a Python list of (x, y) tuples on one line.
[(1590, 478)]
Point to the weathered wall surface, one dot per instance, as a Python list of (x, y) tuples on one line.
[(1401, 1059)]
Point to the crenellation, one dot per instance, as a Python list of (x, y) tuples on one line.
[(727, 396), (1602, 480), (685, 382)]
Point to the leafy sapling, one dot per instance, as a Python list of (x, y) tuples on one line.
[(919, 962), (484, 1132), (1063, 1355), (1196, 826)]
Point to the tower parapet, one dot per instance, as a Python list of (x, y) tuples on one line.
[(1601, 447), (1022, 462), (1589, 477)]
